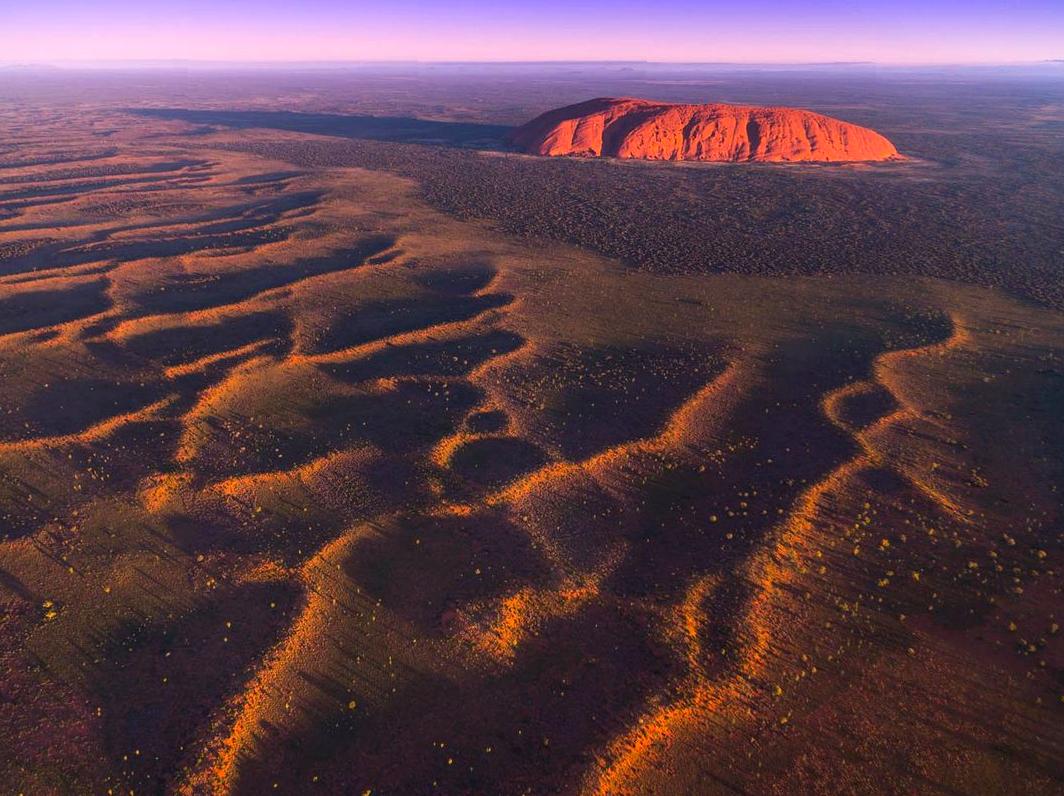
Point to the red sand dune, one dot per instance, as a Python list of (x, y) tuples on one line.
[(636, 128)]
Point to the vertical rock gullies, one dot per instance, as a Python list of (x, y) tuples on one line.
[(640, 129)]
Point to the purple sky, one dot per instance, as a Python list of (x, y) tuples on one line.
[(761, 31)]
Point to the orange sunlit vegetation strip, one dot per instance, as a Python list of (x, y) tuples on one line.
[(191, 433), (425, 333), (518, 611), (200, 365), (771, 568), (522, 611), (101, 430), (254, 701), (698, 698), (242, 484), (445, 449), (676, 430), (329, 593)]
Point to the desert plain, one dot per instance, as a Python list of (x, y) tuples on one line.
[(346, 450)]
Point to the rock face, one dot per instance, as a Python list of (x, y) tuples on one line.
[(635, 128)]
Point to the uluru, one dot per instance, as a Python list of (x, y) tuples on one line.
[(645, 130)]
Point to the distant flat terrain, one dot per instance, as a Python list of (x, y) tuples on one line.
[(978, 203), (344, 465)]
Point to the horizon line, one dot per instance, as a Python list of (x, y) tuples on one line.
[(162, 62)]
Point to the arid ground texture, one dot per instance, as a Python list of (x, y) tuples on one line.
[(346, 450)]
